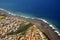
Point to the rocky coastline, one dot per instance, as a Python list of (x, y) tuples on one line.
[(9, 24)]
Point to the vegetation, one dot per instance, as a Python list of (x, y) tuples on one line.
[(1, 17), (25, 26), (22, 29)]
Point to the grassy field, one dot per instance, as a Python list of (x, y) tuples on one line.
[(1, 17)]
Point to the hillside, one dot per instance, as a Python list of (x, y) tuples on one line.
[(20, 28)]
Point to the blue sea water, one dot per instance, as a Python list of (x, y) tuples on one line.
[(47, 9)]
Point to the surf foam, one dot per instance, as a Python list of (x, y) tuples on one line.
[(7, 11), (33, 18), (50, 25)]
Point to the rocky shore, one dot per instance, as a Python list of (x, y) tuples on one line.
[(20, 28)]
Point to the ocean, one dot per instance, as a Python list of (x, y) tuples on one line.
[(46, 9)]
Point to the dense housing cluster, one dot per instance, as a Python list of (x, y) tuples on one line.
[(14, 28)]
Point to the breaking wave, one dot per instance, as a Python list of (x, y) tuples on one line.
[(32, 18)]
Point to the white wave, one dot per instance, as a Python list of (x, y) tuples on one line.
[(33, 18), (57, 32), (24, 16), (52, 26), (49, 25), (27, 17), (7, 11), (43, 20), (1, 9)]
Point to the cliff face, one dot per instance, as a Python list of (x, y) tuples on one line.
[(19, 28)]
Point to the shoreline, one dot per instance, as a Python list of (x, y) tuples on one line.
[(45, 21), (51, 25)]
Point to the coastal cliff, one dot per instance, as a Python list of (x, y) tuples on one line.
[(20, 28)]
